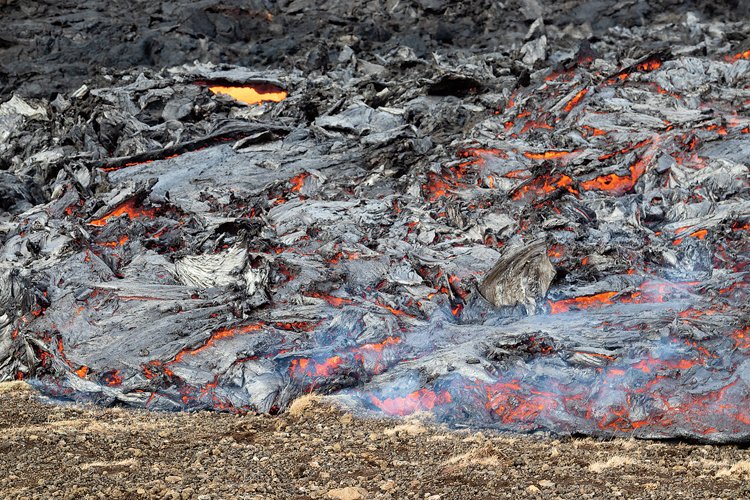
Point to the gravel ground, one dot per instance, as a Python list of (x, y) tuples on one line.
[(319, 451)]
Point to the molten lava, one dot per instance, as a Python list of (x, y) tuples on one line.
[(129, 208), (647, 293), (114, 244), (334, 301), (738, 56), (627, 149), (298, 181), (251, 94), (369, 356), (579, 303), (436, 187), (421, 400), (512, 404), (575, 100), (312, 368), (649, 65), (545, 185), (548, 155), (217, 335), (619, 184)]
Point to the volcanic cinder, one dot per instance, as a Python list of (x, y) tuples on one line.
[(548, 233)]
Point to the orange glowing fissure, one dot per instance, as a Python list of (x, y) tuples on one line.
[(648, 292), (700, 234), (620, 184), (585, 302), (114, 244), (650, 363), (373, 352), (421, 400), (535, 124), (134, 163), (738, 56), (393, 310), (593, 131), (298, 181), (575, 100), (650, 65), (312, 367), (624, 150), (479, 152), (548, 155), (333, 301), (217, 335), (643, 67), (129, 207), (545, 185), (251, 94)]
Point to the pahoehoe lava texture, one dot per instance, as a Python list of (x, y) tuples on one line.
[(541, 224)]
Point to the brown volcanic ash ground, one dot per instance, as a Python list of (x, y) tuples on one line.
[(66, 451), (530, 239)]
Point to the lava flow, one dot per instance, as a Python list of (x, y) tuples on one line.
[(130, 208), (371, 357), (647, 292), (420, 400), (215, 336), (487, 238), (251, 93)]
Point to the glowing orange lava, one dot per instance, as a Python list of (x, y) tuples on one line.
[(311, 367), (742, 338), (738, 56), (130, 208), (575, 100), (334, 301), (217, 335), (578, 303), (651, 363), (619, 184), (593, 131), (479, 152), (298, 181), (609, 182), (650, 65), (535, 124), (545, 185), (625, 150), (251, 94), (112, 378), (436, 187), (548, 155), (421, 400), (380, 345), (509, 402), (393, 310), (114, 244)]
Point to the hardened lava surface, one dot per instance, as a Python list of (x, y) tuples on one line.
[(563, 248)]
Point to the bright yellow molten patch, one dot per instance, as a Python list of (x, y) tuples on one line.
[(251, 95)]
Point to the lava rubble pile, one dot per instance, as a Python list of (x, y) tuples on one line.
[(408, 235)]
